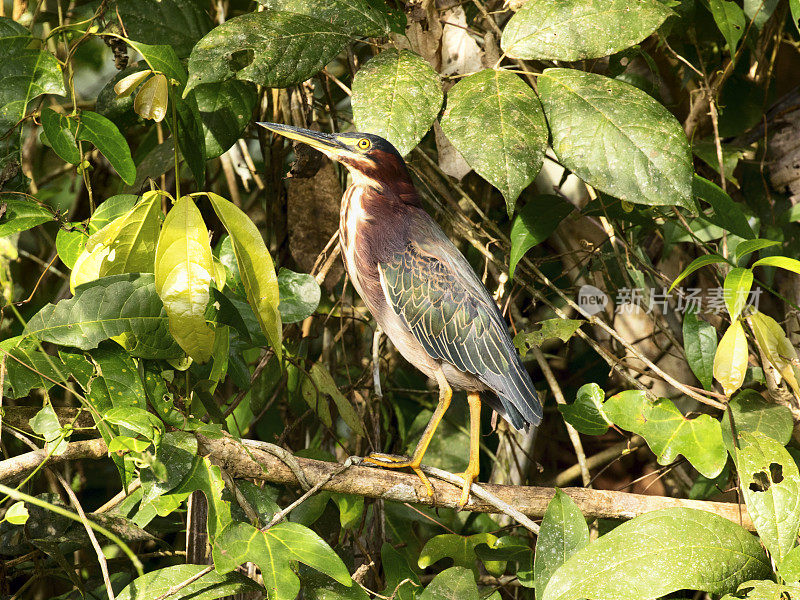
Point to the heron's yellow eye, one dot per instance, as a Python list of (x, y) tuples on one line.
[(363, 144)]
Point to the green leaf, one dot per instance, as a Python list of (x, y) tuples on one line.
[(299, 293), (325, 384), (396, 95), (728, 214), (508, 155), (400, 578), (255, 267), (126, 245), (368, 18), (764, 590), (730, 20), (272, 549), (668, 432), (738, 282), (269, 48), (586, 414), (105, 136), (183, 273), (455, 582), (770, 484), (27, 367), (70, 244), (182, 22), (749, 246), (510, 548), (789, 568), (562, 534), (45, 423), (730, 361), (211, 586), (122, 444), (111, 209), (207, 478), (776, 347), (108, 307), (562, 329), (459, 548), (588, 113), (60, 135), (226, 108), (21, 215), (177, 453), (26, 73), (661, 552), (137, 420), (700, 346), (17, 514), (697, 263), (121, 375), (790, 264), (573, 30), (536, 221), (753, 414), (794, 5)]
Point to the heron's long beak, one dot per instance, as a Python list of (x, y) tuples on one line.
[(324, 142)]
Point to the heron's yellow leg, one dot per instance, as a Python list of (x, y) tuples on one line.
[(394, 462), (473, 468)]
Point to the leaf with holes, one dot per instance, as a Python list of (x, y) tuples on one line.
[(508, 155), (396, 95), (573, 30), (182, 22), (730, 360), (651, 162), (562, 329), (183, 273), (668, 432), (270, 48), (770, 484), (272, 549), (662, 552)]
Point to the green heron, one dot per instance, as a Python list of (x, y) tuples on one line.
[(423, 293)]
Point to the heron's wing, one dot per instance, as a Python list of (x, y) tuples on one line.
[(434, 290)]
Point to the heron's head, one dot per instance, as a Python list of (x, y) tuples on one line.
[(368, 157)]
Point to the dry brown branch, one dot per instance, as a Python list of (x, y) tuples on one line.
[(372, 482)]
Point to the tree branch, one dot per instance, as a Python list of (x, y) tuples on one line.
[(373, 482)]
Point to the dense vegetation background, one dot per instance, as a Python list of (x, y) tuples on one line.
[(623, 175)]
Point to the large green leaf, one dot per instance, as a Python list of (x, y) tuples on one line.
[(577, 29), (105, 136), (535, 222), (700, 346), (255, 268), (617, 138), (509, 154), (272, 550), (21, 215), (586, 414), (181, 22), (209, 587), (226, 108), (563, 532), (659, 553), (373, 18), (396, 95), (270, 48), (668, 432), (770, 484), (25, 72), (107, 307), (126, 245), (27, 367), (183, 273), (60, 135), (730, 361)]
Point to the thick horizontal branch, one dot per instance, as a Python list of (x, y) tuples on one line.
[(374, 482)]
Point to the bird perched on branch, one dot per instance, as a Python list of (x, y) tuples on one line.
[(423, 293)]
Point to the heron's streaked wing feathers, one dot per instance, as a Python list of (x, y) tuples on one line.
[(451, 314)]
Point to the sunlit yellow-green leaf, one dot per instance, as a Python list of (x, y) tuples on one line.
[(151, 101), (738, 282), (776, 346), (184, 269), (126, 245), (730, 361), (17, 514), (126, 85), (255, 267)]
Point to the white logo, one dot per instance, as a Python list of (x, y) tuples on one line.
[(591, 299)]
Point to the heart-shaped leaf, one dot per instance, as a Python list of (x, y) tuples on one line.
[(651, 162), (509, 154)]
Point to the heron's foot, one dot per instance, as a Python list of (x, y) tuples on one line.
[(468, 476), (391, 461)]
